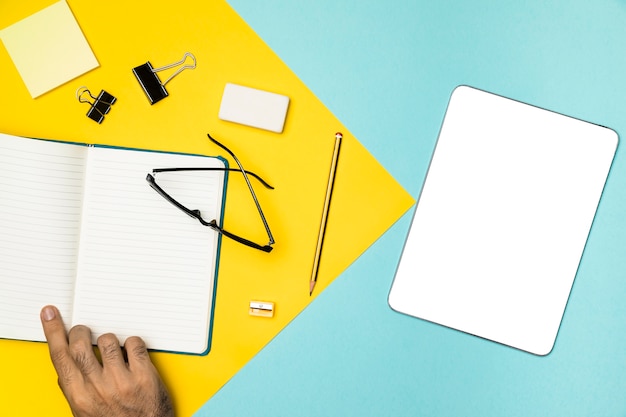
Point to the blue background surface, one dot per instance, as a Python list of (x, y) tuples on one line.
[(386, 69)]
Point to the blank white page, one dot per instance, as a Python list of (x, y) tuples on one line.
[(502, 220), (145, 267), (41, 185)]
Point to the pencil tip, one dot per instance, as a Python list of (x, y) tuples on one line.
[(311, 286)]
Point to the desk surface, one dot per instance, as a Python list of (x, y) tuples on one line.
[(386, 70)]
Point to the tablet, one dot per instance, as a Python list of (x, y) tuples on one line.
[(502, 220)]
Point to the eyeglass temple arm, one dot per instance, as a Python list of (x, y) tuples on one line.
[(261, 180), (256, 201)]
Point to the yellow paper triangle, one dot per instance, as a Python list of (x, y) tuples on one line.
[(366, 199)]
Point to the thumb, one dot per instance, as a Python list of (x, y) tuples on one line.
[(53, 325), (56, 336)]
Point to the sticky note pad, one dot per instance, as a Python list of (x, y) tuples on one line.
[(252, 107), (48, 48), (503, 219)]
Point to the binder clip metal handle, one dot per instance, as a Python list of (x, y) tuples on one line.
[(100, 105), (150, 82)]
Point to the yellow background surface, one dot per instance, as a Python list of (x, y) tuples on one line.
[(366, 200)]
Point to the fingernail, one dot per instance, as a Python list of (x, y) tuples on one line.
[(48, 313)]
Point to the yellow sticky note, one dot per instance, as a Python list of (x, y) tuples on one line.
[(48, 48)]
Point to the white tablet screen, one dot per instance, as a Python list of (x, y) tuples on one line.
[(502, 220)]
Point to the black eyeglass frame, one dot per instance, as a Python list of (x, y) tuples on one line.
[(213, 223)]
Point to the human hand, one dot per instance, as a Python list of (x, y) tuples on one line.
[(114, 388)]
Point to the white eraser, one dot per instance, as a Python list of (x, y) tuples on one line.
[(252, 107)]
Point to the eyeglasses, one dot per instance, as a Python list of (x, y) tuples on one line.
[(213, 223)]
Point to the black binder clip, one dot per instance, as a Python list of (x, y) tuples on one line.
[(150, 82), (100, 106)]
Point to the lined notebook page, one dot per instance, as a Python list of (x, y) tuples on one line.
[(145, 267), (41, 184)]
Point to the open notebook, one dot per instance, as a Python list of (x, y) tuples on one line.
[(502, 220), (83, 230)]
